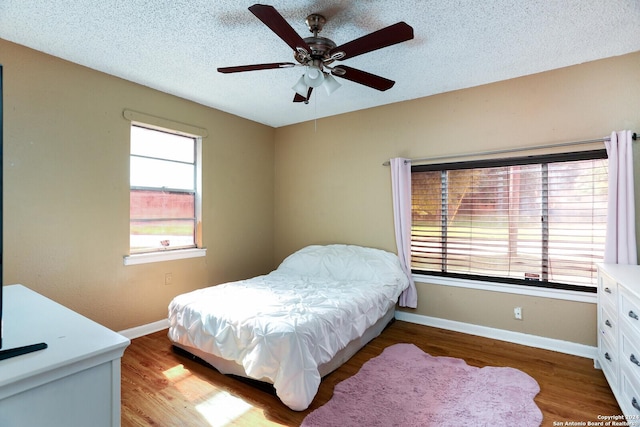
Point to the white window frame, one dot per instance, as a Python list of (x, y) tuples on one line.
[(553, 293), (165, 125)]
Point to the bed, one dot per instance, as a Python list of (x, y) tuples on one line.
[(296, 324)]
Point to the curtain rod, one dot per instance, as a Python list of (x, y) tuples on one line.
[(512, 150)]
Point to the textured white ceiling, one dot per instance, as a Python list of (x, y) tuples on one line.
[(176, 45)]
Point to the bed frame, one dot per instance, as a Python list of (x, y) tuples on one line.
[(230, 367)]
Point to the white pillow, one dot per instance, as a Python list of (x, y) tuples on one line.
[(345, 262)]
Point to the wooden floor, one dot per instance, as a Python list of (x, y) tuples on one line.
[(162, 388)]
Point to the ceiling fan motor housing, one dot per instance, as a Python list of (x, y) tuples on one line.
[(320, 46)]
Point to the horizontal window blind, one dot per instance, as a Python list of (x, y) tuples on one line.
[(533, 220)]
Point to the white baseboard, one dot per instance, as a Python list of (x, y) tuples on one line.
[(552, 344), (147, 329), (561, 346)]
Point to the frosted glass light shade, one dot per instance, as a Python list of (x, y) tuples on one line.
[(330, 84), (301, 87), (313, 77)]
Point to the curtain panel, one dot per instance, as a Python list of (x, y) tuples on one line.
[(620, 244), (401, 186)]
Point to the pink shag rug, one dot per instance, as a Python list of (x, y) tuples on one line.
[(405, 386)]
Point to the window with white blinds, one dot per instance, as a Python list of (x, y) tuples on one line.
[(536, 221)]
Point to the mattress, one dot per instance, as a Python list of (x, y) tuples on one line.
[(281, 327)]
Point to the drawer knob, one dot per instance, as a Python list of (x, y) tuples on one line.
[(606, 356), (635, 403), (607, 290), (634, 360), (633, 315), (606, 322)]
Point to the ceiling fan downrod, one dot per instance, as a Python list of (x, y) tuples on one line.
[(319, 46)]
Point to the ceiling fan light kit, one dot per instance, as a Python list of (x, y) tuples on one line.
[(317, 53), (329, 84)]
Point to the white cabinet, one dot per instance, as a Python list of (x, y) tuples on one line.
[(73, 382), (619, 333)]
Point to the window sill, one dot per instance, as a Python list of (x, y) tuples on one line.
[(560, 294), (164, 256)]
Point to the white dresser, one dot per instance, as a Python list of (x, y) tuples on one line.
[(619, 333), (75, 382)]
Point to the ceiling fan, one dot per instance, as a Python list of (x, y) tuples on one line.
[(317, 53)]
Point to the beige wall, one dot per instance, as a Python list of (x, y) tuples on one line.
[(66, 191), (266, 192), (331, 187)]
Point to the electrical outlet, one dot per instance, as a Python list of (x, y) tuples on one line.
[(517, 313), (168, 278)]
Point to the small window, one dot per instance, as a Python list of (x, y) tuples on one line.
[(535, 221), (164, 199)]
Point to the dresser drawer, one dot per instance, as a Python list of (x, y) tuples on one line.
[(630, 310), (608, 361), (630, 400), (608, 291), (629, 353), (608, 325)]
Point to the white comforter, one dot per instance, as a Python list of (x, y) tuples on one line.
[(281, 326)]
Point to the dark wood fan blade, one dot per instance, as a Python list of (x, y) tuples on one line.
[(362, 77), (300, 98), (272, 19), (387, 36), (255, 67)]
